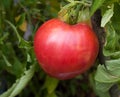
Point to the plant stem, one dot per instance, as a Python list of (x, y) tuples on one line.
[(15, 30)]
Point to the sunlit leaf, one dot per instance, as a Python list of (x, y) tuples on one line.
[(105, 79), (107, 16), (111, 75), (20, 83), (112, 43), (102, 89)]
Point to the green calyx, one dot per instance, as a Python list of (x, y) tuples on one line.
[(75, 12)]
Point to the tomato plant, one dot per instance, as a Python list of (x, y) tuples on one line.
[(69, 49)]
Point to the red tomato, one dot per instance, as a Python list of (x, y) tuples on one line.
[(65, 51)]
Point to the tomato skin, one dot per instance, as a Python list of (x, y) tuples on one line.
[(65, 51)]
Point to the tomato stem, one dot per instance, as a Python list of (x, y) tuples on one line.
[(75, 11)]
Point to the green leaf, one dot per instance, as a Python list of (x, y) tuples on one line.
[(25, 44), (51, 84), (111, 75), (114, 55), (20, 83), (30, 55), (102, 89), (12, 63), (17, 67), (105, 79), (112, 41), (107, 16), (29, 58), (95, 5), (116, 17), (21, 19)]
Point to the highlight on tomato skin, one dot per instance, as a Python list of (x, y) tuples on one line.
[(63, 50)]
